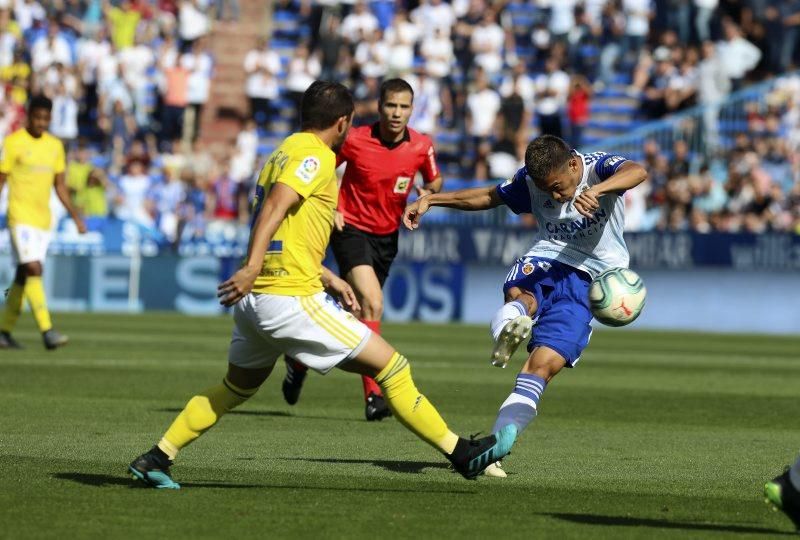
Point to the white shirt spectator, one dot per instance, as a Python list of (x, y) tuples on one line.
[(7, 44), (707, 4), (401, 38), (738, 56), (263, 67), (64, 120), (487, 44), (200, 68), (90, 52), (555, 83), (107, 69), (438, 54), (638, 14), (54, 76), (430, 17), (483, 107), (135, 61), (134, 190), (46, 52), (524, 86), (301, 73), (357, 26), (562, 17), (192, 22), (371, 56), (27, 11), (427, 104)]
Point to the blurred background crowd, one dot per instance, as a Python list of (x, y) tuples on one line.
[(130, 81)]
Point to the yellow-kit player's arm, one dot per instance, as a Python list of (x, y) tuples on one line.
[(63, 195), (278, 202), (336, 286)]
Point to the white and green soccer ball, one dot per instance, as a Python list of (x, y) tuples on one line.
[(617, 296)]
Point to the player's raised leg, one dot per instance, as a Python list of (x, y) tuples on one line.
[(392, 371), (511, 324), (783, 492)]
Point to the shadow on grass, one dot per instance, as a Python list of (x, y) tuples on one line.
[(278, 414), (409, 467), (107, 480), (621, 521)]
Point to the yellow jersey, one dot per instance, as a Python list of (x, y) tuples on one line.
[(293, 262), (30, 166)]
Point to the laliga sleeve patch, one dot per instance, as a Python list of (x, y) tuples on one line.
[(307, 169)]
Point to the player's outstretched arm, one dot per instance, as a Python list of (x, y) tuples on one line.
[(63, 195), (336, 286), (628, 176), (280, 199), (473, 199)]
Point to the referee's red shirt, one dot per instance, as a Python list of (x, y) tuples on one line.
[(378, 177)]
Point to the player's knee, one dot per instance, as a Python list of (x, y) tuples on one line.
[(32, 269), (372, 308), (544, 363)]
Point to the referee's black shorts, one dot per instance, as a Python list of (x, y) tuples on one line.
[(354, 247)]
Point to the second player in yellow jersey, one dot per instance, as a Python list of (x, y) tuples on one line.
[(293, 261)]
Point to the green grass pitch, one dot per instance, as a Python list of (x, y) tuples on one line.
[(653, 435)]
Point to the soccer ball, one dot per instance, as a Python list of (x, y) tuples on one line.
[(617, 296)]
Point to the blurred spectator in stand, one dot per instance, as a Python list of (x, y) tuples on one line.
[(487, 43), (200, 65), (519, 83), (401, 37), (78, 168), (552, 88), (713, 85), (371, 56), (580, 94), (366, 95), (191, 212), (123, 20), (92, 201), (64, 118), (612, 24), (431, 15), (330, 46), (359, 25), (704, 11), (737, 55), (654, 103), (789, 15), (193, 23), (131, 202), (167, 197), (462, 35), (243, 159), (483, 104), (262, 66), (176, 97), (638, 14), (682, 86), (51, 49), (304, 68)]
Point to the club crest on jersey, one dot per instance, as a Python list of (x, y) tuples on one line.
[(527, 269), (308, 169)]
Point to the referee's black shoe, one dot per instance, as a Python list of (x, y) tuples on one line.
[(376, 408)]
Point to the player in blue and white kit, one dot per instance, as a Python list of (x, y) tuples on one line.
[(577, 200)]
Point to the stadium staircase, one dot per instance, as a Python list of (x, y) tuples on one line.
[(230, 42)]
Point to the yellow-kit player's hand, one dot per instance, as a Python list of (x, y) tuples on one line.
[(414, 212), (340, 289), (237, 287), (338, 221), (81, 225)]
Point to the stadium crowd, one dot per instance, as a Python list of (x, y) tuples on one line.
[(130, 78)]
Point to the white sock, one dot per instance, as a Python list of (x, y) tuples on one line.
[(508, 312), (794, 474)]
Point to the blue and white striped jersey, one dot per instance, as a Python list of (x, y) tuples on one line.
[(589, 244)]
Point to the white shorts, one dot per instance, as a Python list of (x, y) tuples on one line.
[(314, 330), (29, 244)]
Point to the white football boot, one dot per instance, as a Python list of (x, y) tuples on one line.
[(511, 336)]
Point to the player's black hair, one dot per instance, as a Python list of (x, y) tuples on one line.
[(546, 154), (39, 102), (324, 103), (394, 86)]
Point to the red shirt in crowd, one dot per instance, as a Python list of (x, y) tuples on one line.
[(379, 176)]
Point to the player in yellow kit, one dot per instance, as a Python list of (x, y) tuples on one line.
[(32, 163), (282, 303)]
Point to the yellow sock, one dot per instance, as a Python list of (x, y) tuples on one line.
[(202, 412), (13, 307), (34, 292), (411, 408)]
